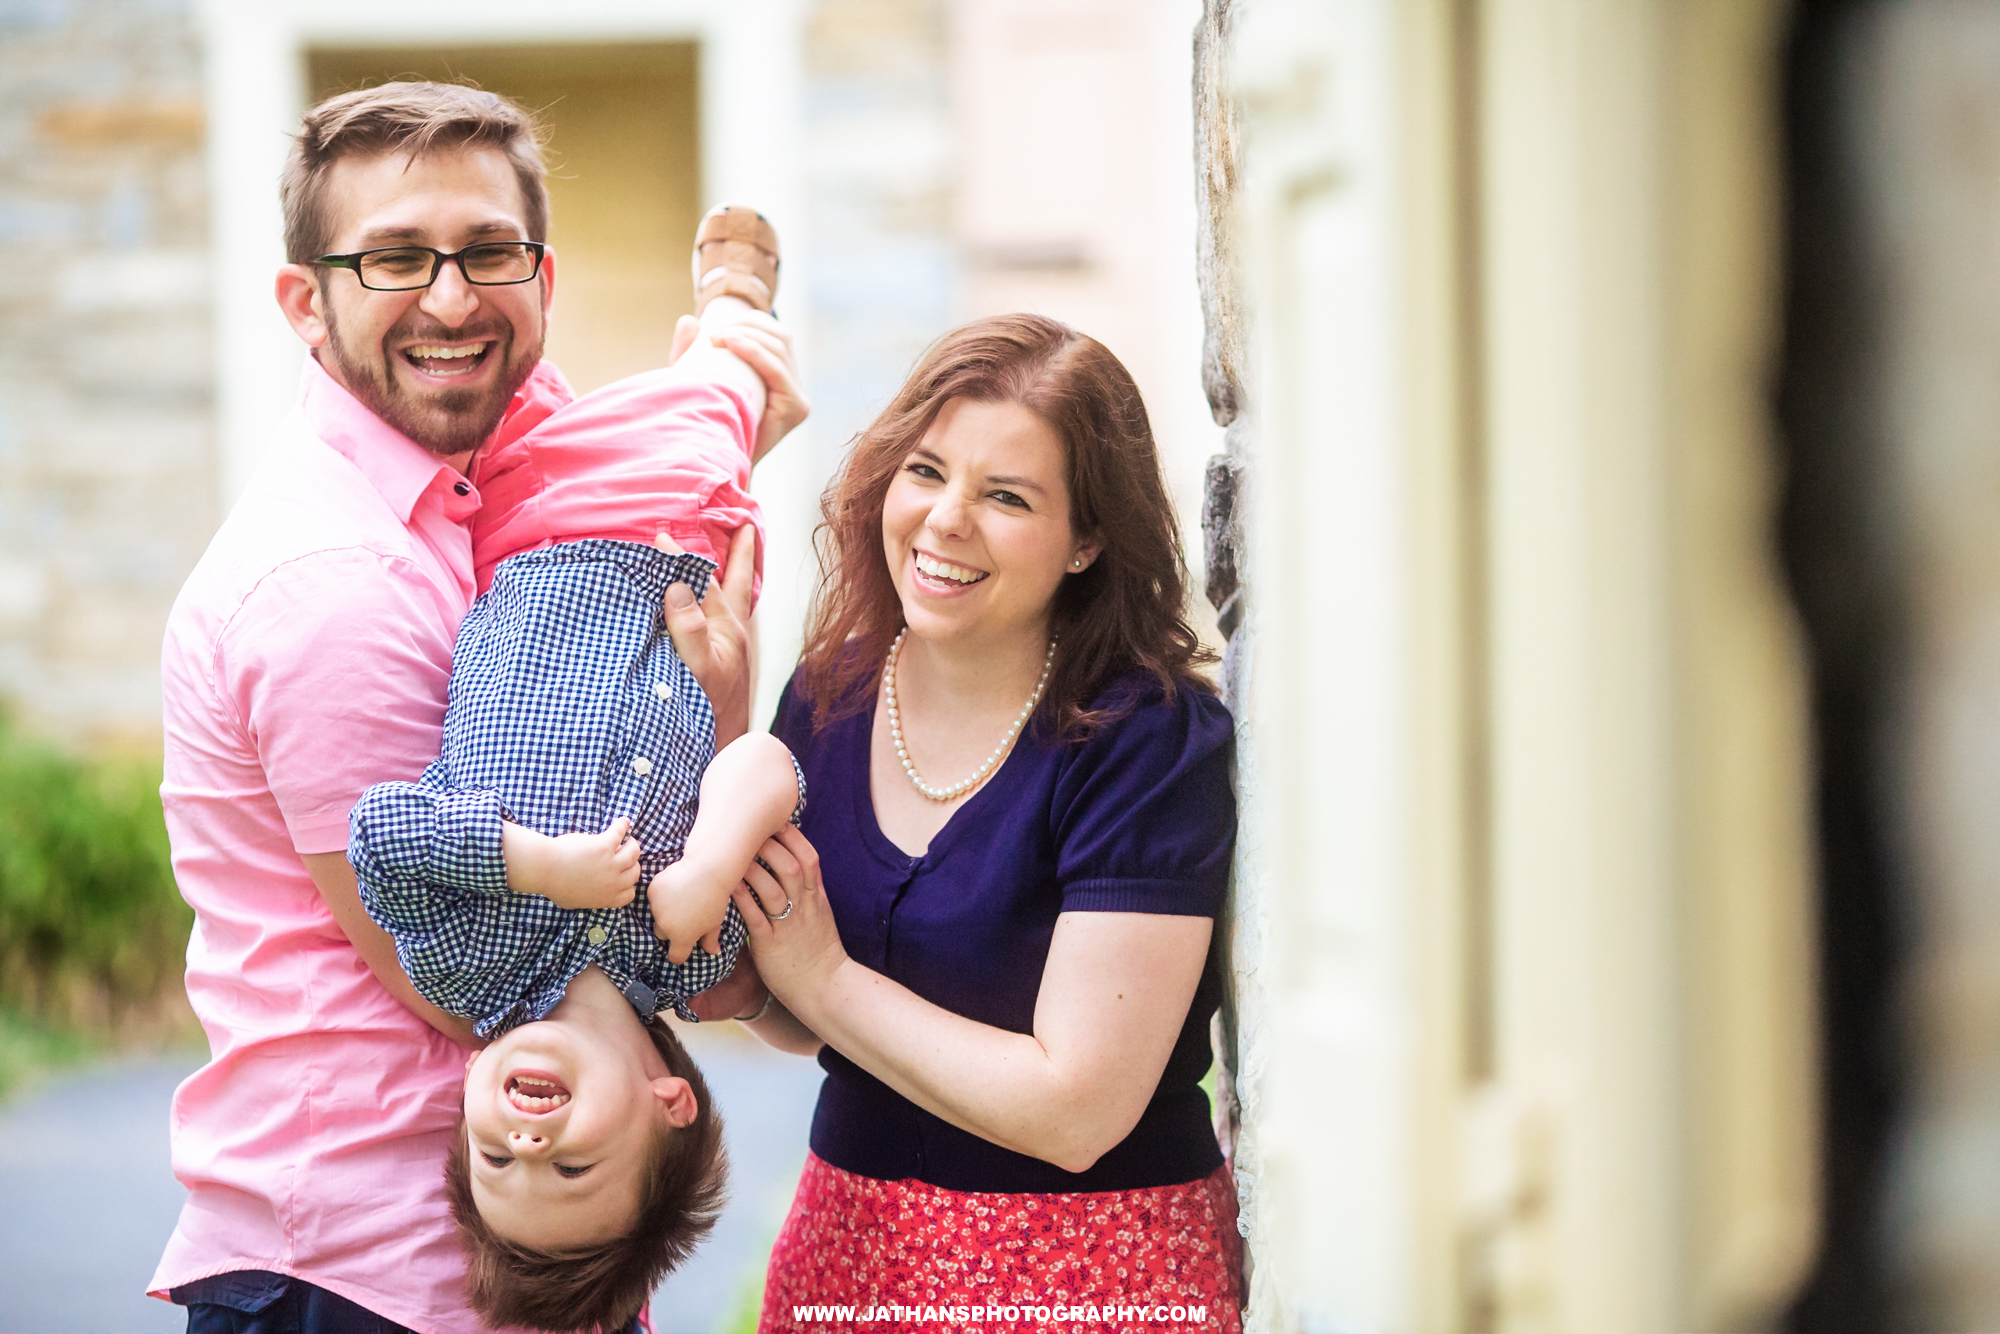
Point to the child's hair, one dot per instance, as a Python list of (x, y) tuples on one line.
[(600, 1287)]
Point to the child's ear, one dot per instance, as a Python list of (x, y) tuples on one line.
[(676, 1097)]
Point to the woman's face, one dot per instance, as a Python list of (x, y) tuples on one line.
[(976, 527)]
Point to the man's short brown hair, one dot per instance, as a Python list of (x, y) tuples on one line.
[(600, 1287), (413, 118)]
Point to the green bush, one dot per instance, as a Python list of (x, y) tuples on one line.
[(92, 930)]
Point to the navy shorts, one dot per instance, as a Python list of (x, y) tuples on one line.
[(253, 1301)]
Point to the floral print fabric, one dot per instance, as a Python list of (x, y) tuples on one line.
[(859, 1253)]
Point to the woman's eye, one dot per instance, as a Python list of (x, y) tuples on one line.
[(1010, 499), (925, 471), (494, 1159), (572, 1172)]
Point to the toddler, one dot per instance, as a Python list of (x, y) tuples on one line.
[(589, 1161)]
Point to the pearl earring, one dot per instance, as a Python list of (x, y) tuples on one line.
[(1076, 564)]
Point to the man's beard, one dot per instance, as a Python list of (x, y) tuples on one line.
[(445, 421)]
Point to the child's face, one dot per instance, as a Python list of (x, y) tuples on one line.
[(560, 1115)]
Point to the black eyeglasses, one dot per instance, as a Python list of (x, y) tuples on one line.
[(405, 268)]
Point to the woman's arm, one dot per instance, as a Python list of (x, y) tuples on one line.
[(1115, 993)]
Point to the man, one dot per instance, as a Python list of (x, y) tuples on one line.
[(306, 658)]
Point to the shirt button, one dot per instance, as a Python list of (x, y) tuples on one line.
[(460, 488), (596, 935), (642, 766), (663, 690)]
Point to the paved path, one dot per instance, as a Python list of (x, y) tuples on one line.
[(87, 1200)]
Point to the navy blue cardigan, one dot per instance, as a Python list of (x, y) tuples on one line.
[(1139, 818)]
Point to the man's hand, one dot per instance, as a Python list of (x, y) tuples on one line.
[(713, 636), (573, 870), (739, 994), (764, 345)]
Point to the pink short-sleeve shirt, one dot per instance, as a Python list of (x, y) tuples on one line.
[(306, 658)]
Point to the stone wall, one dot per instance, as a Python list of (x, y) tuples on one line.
[(107, 466)]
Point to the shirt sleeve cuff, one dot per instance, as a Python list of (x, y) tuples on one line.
[(465, 851), (1169, 898)]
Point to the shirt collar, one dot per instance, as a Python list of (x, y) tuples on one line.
[(398, 467)]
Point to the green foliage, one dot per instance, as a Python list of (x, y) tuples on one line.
[(92, 929), (748, 1308), (30, 1050)]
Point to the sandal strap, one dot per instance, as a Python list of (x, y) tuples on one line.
[(735, 254)]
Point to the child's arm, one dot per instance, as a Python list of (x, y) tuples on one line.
[(573, 870), (415, 840), (748, 794)]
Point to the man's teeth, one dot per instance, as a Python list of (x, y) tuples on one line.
[(940, 569), (429, 353)]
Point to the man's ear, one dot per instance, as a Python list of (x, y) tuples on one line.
[(548, 281), (299, 297), (677, 1102)]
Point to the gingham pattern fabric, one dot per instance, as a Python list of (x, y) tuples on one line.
[(568, 708)]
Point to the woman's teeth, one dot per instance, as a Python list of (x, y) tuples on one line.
[(941, 569)]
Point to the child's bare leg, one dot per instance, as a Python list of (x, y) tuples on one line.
[(747, 795), (735, 273)]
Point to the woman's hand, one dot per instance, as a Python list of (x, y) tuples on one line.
[(797, 948)]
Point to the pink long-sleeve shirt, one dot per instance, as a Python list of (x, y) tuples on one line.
[(306, 658)]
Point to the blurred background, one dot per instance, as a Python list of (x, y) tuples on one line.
[(1585, 421)]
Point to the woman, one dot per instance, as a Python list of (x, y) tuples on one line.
[(1020, 804)]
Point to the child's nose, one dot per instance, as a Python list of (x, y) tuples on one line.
[(526, 1145)]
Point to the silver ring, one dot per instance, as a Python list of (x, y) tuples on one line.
[(779, 917)]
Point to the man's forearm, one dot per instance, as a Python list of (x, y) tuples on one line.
[(335, 881), (780, 1028)]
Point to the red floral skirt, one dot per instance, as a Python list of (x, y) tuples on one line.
[(857, 1253)]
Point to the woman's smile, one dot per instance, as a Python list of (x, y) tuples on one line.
[(976, 525), (943, 576)]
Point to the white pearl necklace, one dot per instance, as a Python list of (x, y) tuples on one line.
[(979, 775)]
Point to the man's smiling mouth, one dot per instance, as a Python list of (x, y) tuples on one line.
[(445, 361)]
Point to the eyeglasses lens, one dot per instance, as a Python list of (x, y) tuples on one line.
[(402, 270)]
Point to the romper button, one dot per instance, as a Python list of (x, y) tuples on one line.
[(663, 690), (595, 935), (642, 766)]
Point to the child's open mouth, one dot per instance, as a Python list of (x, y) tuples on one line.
[(535, 1094)]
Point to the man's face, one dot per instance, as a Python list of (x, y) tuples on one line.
[(439, 364)]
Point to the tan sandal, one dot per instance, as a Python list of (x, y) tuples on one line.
[(735, 254)]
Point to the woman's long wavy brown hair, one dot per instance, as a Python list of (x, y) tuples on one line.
[(1126, 613)]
